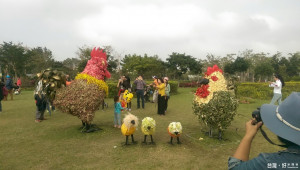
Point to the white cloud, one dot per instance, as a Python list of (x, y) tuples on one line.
[(153, 27)]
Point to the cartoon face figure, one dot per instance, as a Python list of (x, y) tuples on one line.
[(127, 96), (148, 125), (175, 128)]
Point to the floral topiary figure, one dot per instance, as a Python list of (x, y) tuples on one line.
[(85, 94), (213, 103)]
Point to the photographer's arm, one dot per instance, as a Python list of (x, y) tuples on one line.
[(243, 151)]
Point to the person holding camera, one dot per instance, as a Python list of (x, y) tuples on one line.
[(278, 84), (282, 120), (140, 85)]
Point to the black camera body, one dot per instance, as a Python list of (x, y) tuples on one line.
[(256, 115)]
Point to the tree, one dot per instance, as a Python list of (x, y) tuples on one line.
[(229, 68), (264, 70), (180, 64), (13, 58), (71, 63), (294, 66), (241, 65), (147, 65), (39, 58)]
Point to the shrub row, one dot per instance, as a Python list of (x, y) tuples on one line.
[(263, 91), (113, 90), (188, 84)]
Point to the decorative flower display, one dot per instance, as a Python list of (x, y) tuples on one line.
[(85, 94), (214, 105)]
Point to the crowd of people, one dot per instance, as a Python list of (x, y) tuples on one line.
[(9, 88), (159, 88)]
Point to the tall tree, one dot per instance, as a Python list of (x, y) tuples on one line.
[(264, 70), (147, 66), (13, 58), (294, 66), (180, 64), (39, 58)]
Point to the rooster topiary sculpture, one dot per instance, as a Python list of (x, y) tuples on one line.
[(213, 103), (85, 94)]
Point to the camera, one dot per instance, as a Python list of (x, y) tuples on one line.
[(256, 116)]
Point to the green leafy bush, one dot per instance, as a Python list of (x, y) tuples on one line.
[(263, 91), (218, 112)]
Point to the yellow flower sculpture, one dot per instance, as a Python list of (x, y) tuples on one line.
[(214, 105)]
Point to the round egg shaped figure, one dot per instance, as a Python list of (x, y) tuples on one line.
[(148, 128), (130, 123), (213, 103), (175, 130)]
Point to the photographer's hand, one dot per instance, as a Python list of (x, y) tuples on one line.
[(242, 152)]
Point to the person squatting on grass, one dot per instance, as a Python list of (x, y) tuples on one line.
[(161, 97), (284, 121), (40, 101), (118, 108), (278, 84)]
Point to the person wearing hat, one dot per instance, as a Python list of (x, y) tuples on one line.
[(9, 86), (282, 120)]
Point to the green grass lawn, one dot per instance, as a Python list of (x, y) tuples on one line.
[(57, 143)]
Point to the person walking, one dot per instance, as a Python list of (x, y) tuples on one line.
[(161, 97), (278, 84), (9, 86), (167, 91), (140, 85)]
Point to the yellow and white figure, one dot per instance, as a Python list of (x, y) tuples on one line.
[(148, 128), (216, 83), (175, 130), (127, 96), (130, 123), (213, 103)]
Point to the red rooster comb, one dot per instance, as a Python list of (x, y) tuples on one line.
[(210, 70), (97, 65), (97, 53)]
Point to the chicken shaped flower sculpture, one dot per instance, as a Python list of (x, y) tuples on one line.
[(85, 94), (148, 128), (213, 103), (175, 130), (130, 123)]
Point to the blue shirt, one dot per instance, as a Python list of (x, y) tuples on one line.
[(9, 84), (287, 159), (118, 107)]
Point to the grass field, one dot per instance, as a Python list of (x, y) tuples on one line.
[(57, 142)]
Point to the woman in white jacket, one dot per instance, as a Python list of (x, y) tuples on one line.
[(278, 84)]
